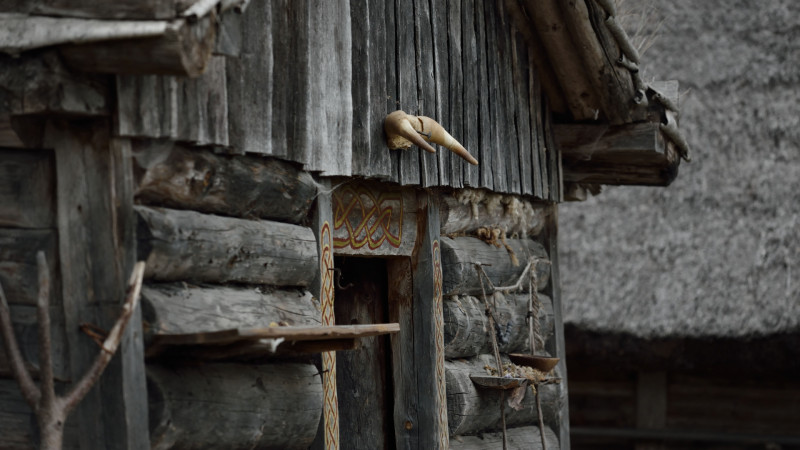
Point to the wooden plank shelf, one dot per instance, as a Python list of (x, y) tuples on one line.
[(500, 383), (254, 342)]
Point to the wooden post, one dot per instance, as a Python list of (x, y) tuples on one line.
[(96, 245), (323, 289), (550, 242), (429, 327)]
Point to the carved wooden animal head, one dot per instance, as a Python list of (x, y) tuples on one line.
[(403, 129)]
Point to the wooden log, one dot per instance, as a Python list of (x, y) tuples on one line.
[(520, 438), (471, 409), (633, 154), (563, 57), (187, 245), (181, 47), (123, 9), (27, 190), (465, 211), (176, 308), (242, 186), (466, 329), (269, 406), (459, 256)]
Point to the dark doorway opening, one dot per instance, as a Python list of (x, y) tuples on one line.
[(364, 375)]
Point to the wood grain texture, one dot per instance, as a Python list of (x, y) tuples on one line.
[(96, 227), (466, 330), (440, 64), (192, 110), (459, 256), (496, 110), (455, 91), (519, 438), (240, 186), (27, 189), (484, 99), (407, 86), (249, 84), (520, 73), (26, 328), (470, 64), (178, 308), (404, 371), (473, 410), (274, 406), (18, 270), (187, 245)]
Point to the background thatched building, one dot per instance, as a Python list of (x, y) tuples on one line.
[(701, 336)]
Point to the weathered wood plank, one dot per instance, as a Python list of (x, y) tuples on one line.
[(371, 220), (497, 121), (274, 406), (249, 85), (536, 104), (329, 115), (509, 144), (426, 83), (96, 228), (229, 32), (441, 74), (466, 327), (464, 211), (459, 256), (187, 245), (520, 438), (364, 416), (241, 186), (471, 409), (382, 85), (183, 48), (429, 328), (290, 80), (455, 91), (391, 69), (634, 154), (193, 110), (554, 172), (521, 94), (471, 100), (485, 98), (27, 189), (361, 28), (407, 93), (179, 308), (404, 371)]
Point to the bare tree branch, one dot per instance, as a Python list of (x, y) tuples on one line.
[(47, 390), (109, 347), (28, 388)]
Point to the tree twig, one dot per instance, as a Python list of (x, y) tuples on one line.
[(52, 410)]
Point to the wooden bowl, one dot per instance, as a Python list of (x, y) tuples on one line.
[(543, 363)]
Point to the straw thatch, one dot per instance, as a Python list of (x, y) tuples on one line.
[(718, 253)]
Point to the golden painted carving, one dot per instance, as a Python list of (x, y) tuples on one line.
[(403, 130)]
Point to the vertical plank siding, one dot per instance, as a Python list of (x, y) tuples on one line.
[(314, 80)]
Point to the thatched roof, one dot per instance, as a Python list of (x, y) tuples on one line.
[(717, 253)]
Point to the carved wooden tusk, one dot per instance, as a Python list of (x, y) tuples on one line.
[(403, 129)]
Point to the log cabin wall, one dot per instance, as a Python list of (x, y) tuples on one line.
[(211, 184)]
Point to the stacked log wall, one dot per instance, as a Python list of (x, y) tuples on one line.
[(472, 410)]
